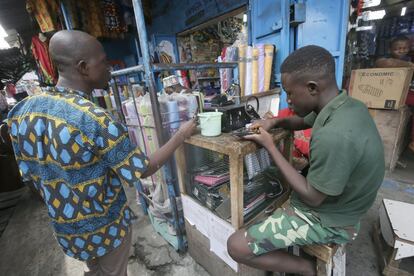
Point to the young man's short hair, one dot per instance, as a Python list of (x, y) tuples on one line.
[(310, 60), (399, 38)]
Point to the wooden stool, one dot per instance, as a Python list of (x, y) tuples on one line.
[(330, 259), (393, 236)]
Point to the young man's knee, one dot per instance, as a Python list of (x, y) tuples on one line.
[(238, 248)]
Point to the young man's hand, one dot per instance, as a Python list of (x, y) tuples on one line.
[(265, 124), (263, 138), (187, 129)]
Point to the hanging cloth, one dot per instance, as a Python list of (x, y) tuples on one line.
[(113, 19), (40, 51), (46, 13), (91, 17)]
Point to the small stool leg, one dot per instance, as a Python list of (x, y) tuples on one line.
[(323, 269), (339, 262)]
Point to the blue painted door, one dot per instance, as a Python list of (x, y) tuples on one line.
[(326, 25), (270, 24)]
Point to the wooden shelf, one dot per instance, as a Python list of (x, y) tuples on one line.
[(228, 144), (208, 78), (274, 91)]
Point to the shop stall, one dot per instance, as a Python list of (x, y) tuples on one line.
[(379, 77)]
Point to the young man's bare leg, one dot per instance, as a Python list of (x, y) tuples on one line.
[(277, 261)]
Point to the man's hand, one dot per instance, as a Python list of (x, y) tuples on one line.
[(187, 129), (263, 138), (265, 124), (158, 158), (268, 115)]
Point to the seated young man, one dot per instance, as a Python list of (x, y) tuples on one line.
[(346, 169)]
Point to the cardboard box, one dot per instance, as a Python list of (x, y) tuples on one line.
[(382, 88)]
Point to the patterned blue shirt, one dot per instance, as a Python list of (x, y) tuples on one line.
[(78, 157)]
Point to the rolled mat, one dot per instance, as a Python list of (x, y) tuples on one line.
[(255, 70), (242, 68), (248, 83), (269, 50), (261, 68), (173, 115)]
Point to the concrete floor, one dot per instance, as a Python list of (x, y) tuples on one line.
[(27, 246)]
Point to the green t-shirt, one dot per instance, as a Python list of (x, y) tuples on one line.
[(346, 161)]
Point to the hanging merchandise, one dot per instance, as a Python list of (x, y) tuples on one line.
[(224, 79), (255, 70), (229, 54), (113, 20), (92, 19), (261, 67), (248, 77), (46, 13), (40, 51), (269, 50), (242, 68)]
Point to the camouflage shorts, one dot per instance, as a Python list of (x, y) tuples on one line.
[(290, 226)]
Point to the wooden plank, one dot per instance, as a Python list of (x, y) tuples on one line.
[(181, 168), (321, 251), (400, 141), (236, 190), (381, 254), (392, 127), (199, 249), (401, 218), (228, 144), (339, 262), (323, 268), (271, 92), (385, 226)]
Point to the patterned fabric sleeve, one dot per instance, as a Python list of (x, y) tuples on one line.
[(113, 145)]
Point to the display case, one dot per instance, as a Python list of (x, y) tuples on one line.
[(226, 184)]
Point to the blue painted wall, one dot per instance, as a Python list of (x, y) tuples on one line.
[(174, 16), (121, 49)]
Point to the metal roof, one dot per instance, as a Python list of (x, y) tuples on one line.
[(13, 15)]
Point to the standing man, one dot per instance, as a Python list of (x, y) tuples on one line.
[(345, 173), (78, 157)]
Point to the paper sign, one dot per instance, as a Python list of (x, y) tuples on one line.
[(220, 231), (274, 106), (196, 215)]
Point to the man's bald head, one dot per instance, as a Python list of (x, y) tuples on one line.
[(80, 59), (67, 48)]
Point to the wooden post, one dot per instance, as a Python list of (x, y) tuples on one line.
[(236, 189), (181, 168)]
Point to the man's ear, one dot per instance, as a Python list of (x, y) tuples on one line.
[(82, 67), (312, 87)]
